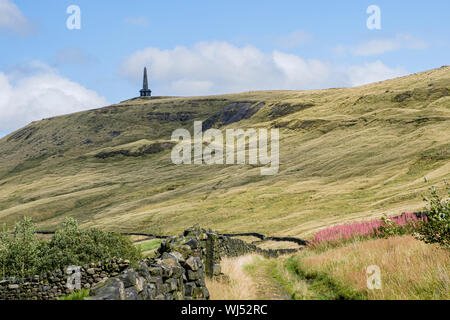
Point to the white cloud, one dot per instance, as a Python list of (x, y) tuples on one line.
[(219, 67), (26, 97), (383, 45), (373, 72), (12, 19), (376, 47), (137, 21), (293, 39), (74, 56)]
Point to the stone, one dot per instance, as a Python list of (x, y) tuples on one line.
[(177, 272), (165, 288), (156, 271), (173, 284), (131, 294), (166, 268), (111, 289), (168, 296), (189, 289), (140, 281), (193, 275), (143, 269), (194, 263), (197, 293), (178, 256), (192, 243), (54, 280), (178, 295), (200, 282), (149, 291), (183, 249), (157, 282), (206, 293), (129, 278), (169, 256), (217, 269)]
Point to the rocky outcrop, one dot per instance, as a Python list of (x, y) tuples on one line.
[(143, 150), (232, 113)]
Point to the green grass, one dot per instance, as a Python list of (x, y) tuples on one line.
[(356, 153), (321, 286), (300, 283), (149, 247), (77, 295)]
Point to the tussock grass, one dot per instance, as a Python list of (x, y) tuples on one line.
[(240, 286), (409, 268)]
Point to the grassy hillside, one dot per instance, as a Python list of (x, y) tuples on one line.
[(345, 154)]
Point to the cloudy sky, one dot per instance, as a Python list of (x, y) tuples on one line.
[(204, 47)]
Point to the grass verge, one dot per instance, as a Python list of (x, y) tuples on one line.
[(239, 285), (410, 270)]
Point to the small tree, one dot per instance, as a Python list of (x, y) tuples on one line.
[(4, 245), (437, 228), (23, 250)]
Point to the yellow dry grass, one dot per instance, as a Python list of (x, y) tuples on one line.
[(410, 269), (356, 153), (240, 286)]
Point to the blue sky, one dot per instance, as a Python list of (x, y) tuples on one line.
[(204, 47)]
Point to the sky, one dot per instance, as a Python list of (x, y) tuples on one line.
[(55, 61)]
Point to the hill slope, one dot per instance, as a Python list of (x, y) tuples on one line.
[(344, 154)]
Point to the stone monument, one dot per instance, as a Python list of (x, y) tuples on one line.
[(145, 92)]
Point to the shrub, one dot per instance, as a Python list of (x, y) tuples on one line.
[(72, 246), (437, 229), (24, 255), (19, 254), (407, 223), (4, 241)]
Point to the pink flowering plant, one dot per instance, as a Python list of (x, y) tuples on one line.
[(407, 223)]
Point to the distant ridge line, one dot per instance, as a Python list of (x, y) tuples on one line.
[(260, 236), (230, 235)]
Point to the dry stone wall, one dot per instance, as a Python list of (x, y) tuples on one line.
[(177, 272), (170, 277), (52, 285)]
